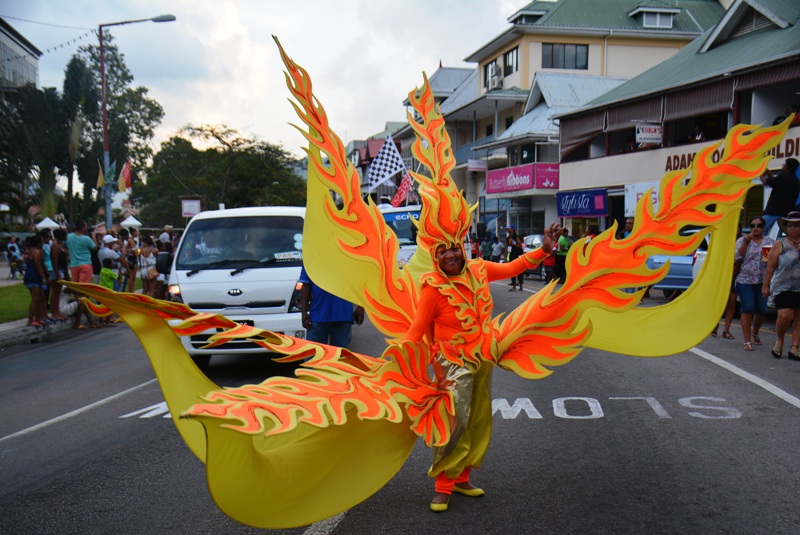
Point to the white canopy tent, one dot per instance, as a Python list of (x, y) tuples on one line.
[(47, 223), (131, 221)]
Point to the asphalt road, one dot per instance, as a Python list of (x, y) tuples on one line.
[(702, 442)]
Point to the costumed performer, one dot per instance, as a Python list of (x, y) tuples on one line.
[(455, 306)]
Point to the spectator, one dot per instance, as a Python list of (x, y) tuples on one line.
[(783, 273), (109, 251), (80, 248), (70, 306), (750, 280), (166, 236), (47, 237), (15, 261), (562, 248), (515, 249), (785, 190), (147, 260), (486, 248), (108, 277), (626, 231), (163, 266), (127, 250), (498, 250), (327, 318), (697, 135), (35, 280), (59, 257)]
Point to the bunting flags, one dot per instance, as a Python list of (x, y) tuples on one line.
[(124, 181), (402, 191), (386, 164), (100, 181)]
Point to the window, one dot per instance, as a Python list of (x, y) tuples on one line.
[(511, 62), (489, 70), (509, 121), (489, 129), (560, 56), (657, 20)]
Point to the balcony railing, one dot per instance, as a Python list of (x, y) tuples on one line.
[(465, 152)]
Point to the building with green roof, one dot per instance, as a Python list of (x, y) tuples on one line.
[(746, 69)]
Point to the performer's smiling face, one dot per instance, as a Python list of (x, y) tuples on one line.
[(451, 261)]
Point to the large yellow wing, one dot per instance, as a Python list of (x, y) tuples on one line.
[(348, 250), (591, 310), (291, 450)]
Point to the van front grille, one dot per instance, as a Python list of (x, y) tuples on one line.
[(252, 305), (199, 340)]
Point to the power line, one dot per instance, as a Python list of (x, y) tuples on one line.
[(46, 23)]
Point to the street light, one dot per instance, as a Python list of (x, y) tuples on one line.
[(108, 188)]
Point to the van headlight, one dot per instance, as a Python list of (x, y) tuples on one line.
[(174, 291)]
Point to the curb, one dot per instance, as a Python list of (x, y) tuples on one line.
[(18, 333)]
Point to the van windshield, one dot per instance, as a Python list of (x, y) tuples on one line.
[(400, 223), (277, 241)]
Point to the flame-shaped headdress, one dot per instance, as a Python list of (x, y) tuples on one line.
[(445, 216)]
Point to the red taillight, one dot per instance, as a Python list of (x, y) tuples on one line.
[(694, 258)]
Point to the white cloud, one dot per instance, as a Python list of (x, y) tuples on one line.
[(217, 63)]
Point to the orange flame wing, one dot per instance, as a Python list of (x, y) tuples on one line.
[(353, 238), (591, 310)]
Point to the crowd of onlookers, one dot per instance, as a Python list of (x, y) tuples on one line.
[(111, 259), (765, 268)]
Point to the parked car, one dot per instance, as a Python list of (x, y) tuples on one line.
[(682, 269), (543, 271)]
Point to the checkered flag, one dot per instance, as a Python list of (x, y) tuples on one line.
[(386, 164)]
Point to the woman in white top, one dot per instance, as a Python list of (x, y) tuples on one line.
[(147, 260)]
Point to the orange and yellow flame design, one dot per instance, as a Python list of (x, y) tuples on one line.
[(445, 216)]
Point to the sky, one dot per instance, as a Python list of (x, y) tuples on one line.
[(217, 63)]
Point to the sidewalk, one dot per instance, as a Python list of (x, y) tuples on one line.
[(17, 332)]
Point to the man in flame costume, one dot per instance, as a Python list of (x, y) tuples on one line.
[(280, 454)]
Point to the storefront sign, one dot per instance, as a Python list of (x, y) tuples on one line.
[(190, 207), (584, 203), (634, 192), (546, 175), (476, 165), (789, 147), (649, 133), (510, 179)]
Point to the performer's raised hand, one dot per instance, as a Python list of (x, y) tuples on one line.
[(550, 237)]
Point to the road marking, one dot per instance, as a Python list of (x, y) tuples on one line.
[(324, 527), (769, 387), (76, 411)]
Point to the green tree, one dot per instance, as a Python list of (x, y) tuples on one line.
[(79, 105), (45, 137), (15, 159), (234, 170), (132, 116)]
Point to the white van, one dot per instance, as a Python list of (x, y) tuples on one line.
[(399, 220), (242, 263)]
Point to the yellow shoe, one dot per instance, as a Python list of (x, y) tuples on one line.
[(437, 507), (474, 492)]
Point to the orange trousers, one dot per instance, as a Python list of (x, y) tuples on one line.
[(444, 484)]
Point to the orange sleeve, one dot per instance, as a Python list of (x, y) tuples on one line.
[(423, 316), (495, 271)]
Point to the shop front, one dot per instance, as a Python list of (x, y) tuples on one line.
[(583, 210), (521, 195)]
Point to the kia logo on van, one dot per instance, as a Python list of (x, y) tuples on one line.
[(235, 292)]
